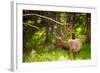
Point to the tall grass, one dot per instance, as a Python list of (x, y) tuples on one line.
[(49, 53)]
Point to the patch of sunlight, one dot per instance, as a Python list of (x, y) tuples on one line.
[(78, 58), (55, 27), (39, 33), (39, 20), (33, 53), (29, 21), (79, 29), (62, 58)]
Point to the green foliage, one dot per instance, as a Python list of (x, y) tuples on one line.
[(80, 33), (52, 38), (85, 52), (38, 37), (63, 16), (49, 54)]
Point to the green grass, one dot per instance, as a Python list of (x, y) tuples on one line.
[(85, 52), (49, 53)]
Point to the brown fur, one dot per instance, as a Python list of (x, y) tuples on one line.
[(71, 45)]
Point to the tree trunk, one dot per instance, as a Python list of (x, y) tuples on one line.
[(47, 33), (58, 26), (73, 25), (53, 24), (47, 29), (88, 28)]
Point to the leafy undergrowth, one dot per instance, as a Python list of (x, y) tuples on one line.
[(49, 53)]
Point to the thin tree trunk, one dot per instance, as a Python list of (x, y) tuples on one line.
[(47, 33), (47, 29), (73, 26), (58, 26), (53, 24), (88, 28)]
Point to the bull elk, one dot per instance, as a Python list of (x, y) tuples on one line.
[(72, 45)]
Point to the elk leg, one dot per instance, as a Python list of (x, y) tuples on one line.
[(74, 55), (78, 53)]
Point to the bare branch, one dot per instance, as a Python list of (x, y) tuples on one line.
[(44, 18), (31, 25)]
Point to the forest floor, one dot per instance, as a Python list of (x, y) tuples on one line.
[(48, 53)]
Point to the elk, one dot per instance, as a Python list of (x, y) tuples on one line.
[(72, 45)]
